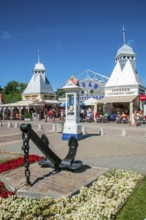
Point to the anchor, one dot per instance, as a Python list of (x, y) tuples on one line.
[(52, 160)]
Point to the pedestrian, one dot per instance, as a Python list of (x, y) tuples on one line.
[(54, 114), (61, 115), (50, 114), (46, 114)]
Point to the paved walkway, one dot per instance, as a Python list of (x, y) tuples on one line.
[(109, 151), (97, 152)]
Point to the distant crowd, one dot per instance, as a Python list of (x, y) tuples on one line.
[(88, 115), (120, 117)]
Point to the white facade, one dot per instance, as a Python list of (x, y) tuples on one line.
[(124, 82), (124, 85)]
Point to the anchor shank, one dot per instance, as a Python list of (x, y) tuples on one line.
[(42, 146)]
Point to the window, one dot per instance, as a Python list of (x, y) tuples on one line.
[(70, 104)]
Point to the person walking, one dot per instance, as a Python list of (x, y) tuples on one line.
[(46, 114), (54, 114), (50, 114)]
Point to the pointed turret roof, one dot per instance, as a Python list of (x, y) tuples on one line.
[(39, 84), (129, 75), (115, 77), (125, 50)]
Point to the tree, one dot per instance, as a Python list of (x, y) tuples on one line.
[(11, 87), (1, 89), (12, 91), (60, 93)]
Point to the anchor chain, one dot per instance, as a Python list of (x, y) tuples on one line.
[(25, 148)]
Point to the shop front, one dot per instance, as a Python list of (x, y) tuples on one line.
[(115, 104)]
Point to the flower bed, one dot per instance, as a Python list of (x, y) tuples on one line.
[(102, 200), (12, 164), (18, 162)]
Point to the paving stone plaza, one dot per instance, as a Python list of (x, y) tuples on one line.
[(105, 146)]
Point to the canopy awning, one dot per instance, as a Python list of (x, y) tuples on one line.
[(63, 105), (30, 103), (17, 104), (51, 102), (90, 101), (117, 99)]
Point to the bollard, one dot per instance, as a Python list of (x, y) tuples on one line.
[(145, 135), (54, 128), (16, 125), (59, 127), (1, 125), (84, 130), (101, 132), (40, 127), (9, 124), (124, 133)]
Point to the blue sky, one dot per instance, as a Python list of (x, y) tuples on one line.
[(72, 35)]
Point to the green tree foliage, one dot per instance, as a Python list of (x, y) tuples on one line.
[(60, 93), (1, 89), (12, 91)]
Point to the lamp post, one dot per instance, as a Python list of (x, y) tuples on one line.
[(72, 126)]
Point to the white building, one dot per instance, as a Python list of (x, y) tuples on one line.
[(124, 85), (39, 87), (37, 95)]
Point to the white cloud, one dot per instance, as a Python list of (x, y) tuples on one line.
[(130, 42), (8, 37)]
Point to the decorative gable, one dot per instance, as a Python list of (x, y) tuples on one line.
[(129, 76), (115, 78), (72, 83), (124, 77)]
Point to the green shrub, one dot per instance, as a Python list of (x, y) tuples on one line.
[(27, 115)]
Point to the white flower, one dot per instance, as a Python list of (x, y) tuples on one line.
[(102, 200)]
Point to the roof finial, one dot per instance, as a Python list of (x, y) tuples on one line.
[(123, 34), (38, 55)]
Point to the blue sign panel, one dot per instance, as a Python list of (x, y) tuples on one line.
[(83, 84), (95, 86), (90, 84)]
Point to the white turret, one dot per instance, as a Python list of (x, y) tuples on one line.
[(39, 86), (125, 53)]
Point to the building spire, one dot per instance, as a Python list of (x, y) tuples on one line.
[(38, 55), (123, 35)]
